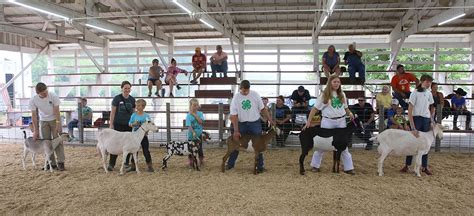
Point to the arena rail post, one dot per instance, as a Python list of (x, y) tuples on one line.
[(381, 119), (168, 122), (439, 118), (80, 124), (272, 111), (220, 126)]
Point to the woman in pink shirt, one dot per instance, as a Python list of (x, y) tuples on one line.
[(171, 75)]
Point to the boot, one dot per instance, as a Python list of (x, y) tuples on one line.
[(132, 168), (61, 167), (150, 167)]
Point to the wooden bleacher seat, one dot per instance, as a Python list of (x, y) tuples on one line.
[(214, 108), (218, 81), (209, 124), (213, 94), (354, 94), (344, 81)]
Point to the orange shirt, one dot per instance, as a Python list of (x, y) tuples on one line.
[(402, 82)]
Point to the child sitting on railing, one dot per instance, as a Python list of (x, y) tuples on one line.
[(171, 75), (399, 120)]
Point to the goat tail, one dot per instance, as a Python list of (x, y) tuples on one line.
[(24, 134)]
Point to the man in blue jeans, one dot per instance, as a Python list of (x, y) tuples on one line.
[(245, 117), (353, 60)]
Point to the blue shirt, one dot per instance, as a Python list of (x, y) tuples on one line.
[(390, 113), (191, 121), (331, 61), (139, 118), (459, 102), (352, 58)]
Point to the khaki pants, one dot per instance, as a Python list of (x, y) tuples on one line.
[(48, 131)]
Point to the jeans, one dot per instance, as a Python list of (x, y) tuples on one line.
[(250, 128), (421, 124), (468, 115), (122, 128), (219, 68), (75, 123), (146, 152), (401, 99), (356, 67)]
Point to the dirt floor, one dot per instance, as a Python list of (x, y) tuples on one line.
[(86, 189)]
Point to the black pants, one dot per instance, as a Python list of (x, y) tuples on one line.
[(468, 114), (122, 128), (146, 152)]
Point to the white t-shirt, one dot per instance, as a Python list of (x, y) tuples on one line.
[(247, 107), (334, 108), (45, 106), (421, 102), (218, 57)]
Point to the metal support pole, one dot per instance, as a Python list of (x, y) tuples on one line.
[(273, 113), (439, 117), (80, 123), (381, 119), (220, 125), (168, 122)]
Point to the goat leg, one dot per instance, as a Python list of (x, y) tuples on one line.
[(195, 161), (165, 161), (304, 152), (255, 168), (124, 157), (25, 153), (33, 158), (334, 162), (135, 158)]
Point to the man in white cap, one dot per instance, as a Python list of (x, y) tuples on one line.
[(391, 112)]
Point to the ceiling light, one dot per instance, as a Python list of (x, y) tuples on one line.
[(449, 20), (324, 20), (182, 6), (209, 25), (39, 10), (99, 28)]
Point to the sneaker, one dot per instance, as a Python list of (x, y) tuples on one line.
[(157, 94), (314, 169), (350, 172), (405, 169), (55, 167), (261, 170), (213, 75), (178, 87), (228, 167), (131, 169), (171, 95), (149, 94), (427, 171), (194, 82), (110, 168), (163, 91), (456, 128)]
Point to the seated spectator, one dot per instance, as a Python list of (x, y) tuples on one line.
[(384, 99), (282, 116), (219, 62), (399, 120), (86, 118), (391, 112), (401, 85), (438, 98), (154, 74), (331, 62), (300, 98), (264, 119), (171, 76), (199, 65), (365, 113), (458, 103), (352, 58)]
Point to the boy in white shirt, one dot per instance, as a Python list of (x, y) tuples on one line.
[(46, 105), (245, 117)]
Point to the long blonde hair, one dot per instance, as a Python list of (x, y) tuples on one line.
[(327, 92)]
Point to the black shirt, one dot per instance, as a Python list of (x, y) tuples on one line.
[(125, 109), (300, 99), (363, 113)]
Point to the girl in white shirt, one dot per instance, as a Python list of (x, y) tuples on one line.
[(333, 106)]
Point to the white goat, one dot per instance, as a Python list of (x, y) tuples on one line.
[(41, 146), (404, 143), (116, 142)]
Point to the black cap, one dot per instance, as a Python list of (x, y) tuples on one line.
[(301, 89)]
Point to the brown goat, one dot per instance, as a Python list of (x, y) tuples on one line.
[(259, 144)]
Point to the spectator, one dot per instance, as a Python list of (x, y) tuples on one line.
[(365, 114), (331, 62), (300, 98), (438, 98), (154, 74), (391, 113), (282, 116), (199, 65), (384, 98), (86, 118), (123, 106), (46, 105), (263, 118), (354, 63), (401, 85), (171, 76), (420, 114), (219, 62), (245, 112), (458, 103), (399, 120)]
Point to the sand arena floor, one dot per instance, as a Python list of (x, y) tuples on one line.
[(86, 189)]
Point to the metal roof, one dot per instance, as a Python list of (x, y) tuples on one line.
[(250, 18)]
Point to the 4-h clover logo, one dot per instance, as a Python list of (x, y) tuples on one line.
[(336, 102), (246, 104)]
